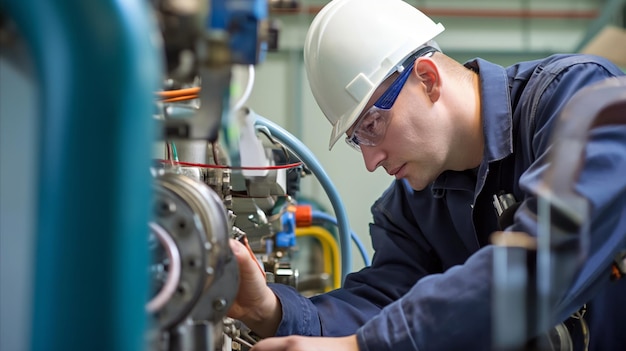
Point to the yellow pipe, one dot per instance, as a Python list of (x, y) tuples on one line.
[(327, 264), (330, 251), (326, 252), (326, 239)]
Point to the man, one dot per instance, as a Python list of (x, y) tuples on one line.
[(453, 136)]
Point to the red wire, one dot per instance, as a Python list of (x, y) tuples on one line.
[(180, 98), (201, 165)]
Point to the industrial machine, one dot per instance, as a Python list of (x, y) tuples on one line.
[(197, 168), (218, 175)]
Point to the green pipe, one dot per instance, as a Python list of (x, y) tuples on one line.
[(97, 65), (610, 8)]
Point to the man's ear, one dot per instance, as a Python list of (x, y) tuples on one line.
[(428, 73)]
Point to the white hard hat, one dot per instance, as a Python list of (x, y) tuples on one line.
[(352, 46)]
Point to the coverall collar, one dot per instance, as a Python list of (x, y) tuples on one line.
[(496, 110), (497, 119)]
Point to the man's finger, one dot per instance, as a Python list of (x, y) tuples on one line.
[(271, 344)]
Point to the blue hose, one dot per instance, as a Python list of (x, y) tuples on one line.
[(305, 155), (326, 218)]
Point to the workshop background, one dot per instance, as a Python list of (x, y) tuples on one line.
[(503, 31)]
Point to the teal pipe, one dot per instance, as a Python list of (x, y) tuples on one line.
[(97, 66), (609, 9)]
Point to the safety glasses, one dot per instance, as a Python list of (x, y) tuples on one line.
[(370, 129)]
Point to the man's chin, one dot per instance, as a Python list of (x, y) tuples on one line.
[(416, 184)]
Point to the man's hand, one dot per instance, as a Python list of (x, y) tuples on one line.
[(255, 304), (305, 343)]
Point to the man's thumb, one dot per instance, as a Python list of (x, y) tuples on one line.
[(248, 264)]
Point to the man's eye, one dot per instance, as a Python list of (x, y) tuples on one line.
[(373, 125)]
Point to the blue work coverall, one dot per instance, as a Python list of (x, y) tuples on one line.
[(429, 285)]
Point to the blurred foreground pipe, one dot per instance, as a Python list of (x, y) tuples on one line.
[(97, 65)]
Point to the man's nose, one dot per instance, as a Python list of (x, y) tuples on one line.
[(372, 156)]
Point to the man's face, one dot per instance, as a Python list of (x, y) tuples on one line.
[(415, 143)]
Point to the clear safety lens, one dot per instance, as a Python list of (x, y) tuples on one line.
[(370, 129)]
